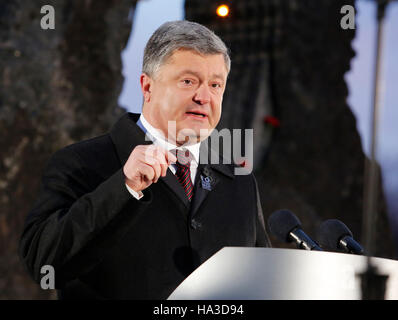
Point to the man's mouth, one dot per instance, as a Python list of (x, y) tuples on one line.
[(197, 114)]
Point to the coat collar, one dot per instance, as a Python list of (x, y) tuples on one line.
[(126, 135), (158, 138), (214, 160)]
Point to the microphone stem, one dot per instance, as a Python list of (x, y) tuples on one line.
[(303, 241)]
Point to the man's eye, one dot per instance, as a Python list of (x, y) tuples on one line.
[(216, 85), (187, 81)]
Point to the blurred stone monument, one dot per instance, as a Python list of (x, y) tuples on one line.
[(57, 86)]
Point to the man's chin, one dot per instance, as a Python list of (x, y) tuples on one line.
[(189, 136)]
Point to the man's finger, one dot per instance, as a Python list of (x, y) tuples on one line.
[(165, 158), (155, 164), (147, 171), (161, 156), (171, 158)]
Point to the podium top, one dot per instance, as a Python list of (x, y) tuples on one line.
[(239, 273)]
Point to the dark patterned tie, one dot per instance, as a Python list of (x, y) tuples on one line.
[(183, 173)]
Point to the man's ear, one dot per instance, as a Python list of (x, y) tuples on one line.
[(146, 86)]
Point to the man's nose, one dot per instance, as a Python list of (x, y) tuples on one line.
[(202, 95)]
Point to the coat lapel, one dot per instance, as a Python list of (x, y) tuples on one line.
[(172, 183), (201, 193), (126, 135), (212, 174)]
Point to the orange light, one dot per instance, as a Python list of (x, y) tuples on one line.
[(223, 10)]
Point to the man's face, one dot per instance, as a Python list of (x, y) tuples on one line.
[(188, 89)]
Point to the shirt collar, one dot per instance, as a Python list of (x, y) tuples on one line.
[(158, 138)]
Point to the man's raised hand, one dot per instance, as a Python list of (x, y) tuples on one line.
[(145, 165)]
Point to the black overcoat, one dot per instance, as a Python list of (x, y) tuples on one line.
[(105, 244)]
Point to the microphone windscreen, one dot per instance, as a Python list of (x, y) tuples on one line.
[(281, 223), (330, 233)]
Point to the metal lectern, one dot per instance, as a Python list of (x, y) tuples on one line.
[(237, 273)]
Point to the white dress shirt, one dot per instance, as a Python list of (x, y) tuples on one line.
[(158, 138)]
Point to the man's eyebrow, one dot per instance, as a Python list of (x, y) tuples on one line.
[(191, 72), (196, 74), (218, 76)]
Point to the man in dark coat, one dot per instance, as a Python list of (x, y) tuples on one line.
[(130, 214)]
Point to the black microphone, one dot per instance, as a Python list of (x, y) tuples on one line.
[(284, 225), (335, 235)]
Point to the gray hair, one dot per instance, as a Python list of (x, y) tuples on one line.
[(175, 35)]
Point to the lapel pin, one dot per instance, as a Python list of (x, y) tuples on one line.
[(206, 182)]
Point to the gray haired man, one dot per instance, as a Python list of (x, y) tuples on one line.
[(130, 214)]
